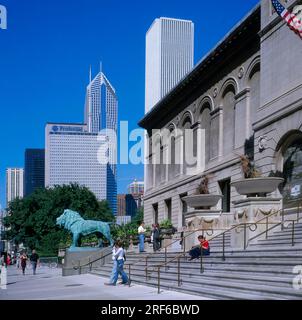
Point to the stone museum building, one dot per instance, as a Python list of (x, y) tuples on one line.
[(246, 95)]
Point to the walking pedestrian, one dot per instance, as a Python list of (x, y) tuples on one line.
[(8, 260), (114, 266), (141, 234), (34, 259), (119, 255), (23, 259)]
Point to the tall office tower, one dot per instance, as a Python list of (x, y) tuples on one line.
[(73, 155), (14, 184), (169, 57), (34, 170), (101, 109), (101, 105)]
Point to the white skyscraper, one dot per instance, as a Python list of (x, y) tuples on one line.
[(14, 184), (72, 156), (169, 57)]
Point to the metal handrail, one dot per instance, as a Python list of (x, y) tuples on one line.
[(282, 223), (158, 267), (79, 266), (165, 248)]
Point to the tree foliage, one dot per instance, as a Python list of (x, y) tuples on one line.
[(32, 220)]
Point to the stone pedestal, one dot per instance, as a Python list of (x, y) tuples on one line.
[(80, 256), (251, 210), (197, 220)]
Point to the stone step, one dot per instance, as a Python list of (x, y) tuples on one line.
[(219, 289), (194, 276), (194, 268), (277, 242), (246, 259)]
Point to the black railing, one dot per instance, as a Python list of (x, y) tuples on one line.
[(251, 226)]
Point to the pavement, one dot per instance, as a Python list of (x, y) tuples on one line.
[(48, 284)]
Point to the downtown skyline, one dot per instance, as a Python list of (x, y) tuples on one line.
[(53, 69)]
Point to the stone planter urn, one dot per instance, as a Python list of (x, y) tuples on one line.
[(202, 201), (257, 186)]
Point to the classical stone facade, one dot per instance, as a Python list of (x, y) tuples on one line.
[(247, 96)]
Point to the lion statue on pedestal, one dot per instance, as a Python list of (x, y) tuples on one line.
[(73, 222)]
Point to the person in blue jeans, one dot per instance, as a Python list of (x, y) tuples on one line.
[(141, 235), (114, 261), (119, 256)]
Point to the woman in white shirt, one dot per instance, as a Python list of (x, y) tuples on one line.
[(119, 256), (141, 234)]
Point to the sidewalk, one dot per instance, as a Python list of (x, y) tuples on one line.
[(48, 284)]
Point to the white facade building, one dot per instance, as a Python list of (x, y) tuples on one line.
[(71, 156), (169, 57), (14, 184)]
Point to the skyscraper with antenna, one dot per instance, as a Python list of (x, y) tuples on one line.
[(101, 110)]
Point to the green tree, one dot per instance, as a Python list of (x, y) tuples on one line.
[(32, 220)]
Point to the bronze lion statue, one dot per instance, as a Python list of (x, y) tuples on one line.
[(73, 222)]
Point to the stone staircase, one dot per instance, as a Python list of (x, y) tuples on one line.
[(263, 271), (283, 238)]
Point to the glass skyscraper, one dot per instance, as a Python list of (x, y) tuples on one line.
[(101, 109), (34, 170)]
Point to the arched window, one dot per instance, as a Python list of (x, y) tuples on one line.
[(292, 171), (228, 120), (205, 121), (254, 83), (157, 158), (173, 168), (186, 126)]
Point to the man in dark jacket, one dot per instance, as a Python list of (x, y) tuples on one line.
[(156, 238), (34, 259)]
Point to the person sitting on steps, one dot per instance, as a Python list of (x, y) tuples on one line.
[(203, 248)]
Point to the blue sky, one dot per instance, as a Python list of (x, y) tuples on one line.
[(46, 51)]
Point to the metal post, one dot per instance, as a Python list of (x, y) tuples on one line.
[(165, 258), (158, 280), (146, 268), (184, 243), (223, 246), (293, 234), (178, 270), (244, 237), (129, 275), (201, 260), (282, 225)]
